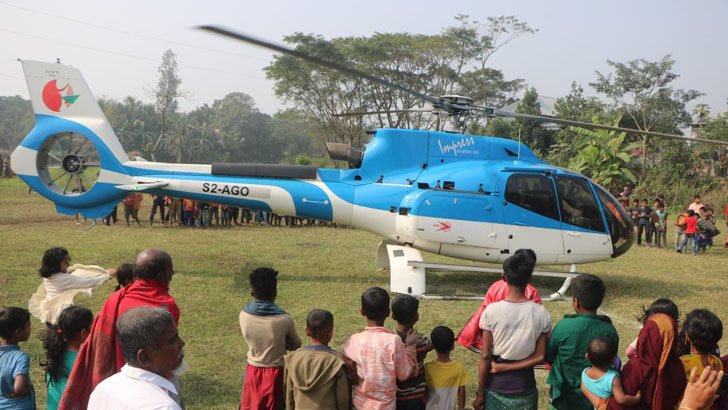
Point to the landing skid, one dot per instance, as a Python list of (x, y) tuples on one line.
[(407, 272)]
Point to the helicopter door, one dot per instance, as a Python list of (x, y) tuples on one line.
[(584, 234), (461, 223), (531, 216)]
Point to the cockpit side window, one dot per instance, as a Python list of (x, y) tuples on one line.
[(577, 203), (534, 192)]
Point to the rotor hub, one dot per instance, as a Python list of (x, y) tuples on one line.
[(73, 164)]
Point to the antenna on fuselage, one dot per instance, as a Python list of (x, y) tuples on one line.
[(519, 143)]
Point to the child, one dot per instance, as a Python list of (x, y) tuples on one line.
[(316, 375), (644, 214), (470, 337), (515, 332), (124, 275), (411, 393), (702, 331), (16, 390), (61, 345), (569, 341), (600, 379), (446, 378), (269, 331), (380, 356)]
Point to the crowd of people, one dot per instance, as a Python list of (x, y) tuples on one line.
[(696, 224), (130, 356), (190, 213)]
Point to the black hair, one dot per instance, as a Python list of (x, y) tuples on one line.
[(124, 275), (602, 351), (518, 268), (443, 339), (153, 267), (690, 212), (589, 290), (662, 305), (696, 197), (704, 329), (51, 263), (263, 283), (404, 309), (319, 322), (71, 322), (11, 319), (644, 201), (375, 303)]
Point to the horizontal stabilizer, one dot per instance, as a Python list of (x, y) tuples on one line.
[(264, 170), (144, 186)]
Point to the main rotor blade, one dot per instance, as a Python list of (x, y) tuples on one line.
[(351, 114), (588, 125), (325, 63)]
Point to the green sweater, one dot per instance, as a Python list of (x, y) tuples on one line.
[(565, 352)]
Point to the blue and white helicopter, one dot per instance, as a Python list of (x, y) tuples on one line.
[(466, 196)]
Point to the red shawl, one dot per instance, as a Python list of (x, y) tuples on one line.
[(656, 369), (470, 336), (100, 355)]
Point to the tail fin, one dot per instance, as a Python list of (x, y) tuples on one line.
[(72, 155), (59, 90)]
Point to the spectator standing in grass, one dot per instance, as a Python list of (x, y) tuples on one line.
[(655, 369), (157, 204), (316, 375), (16, 389), (569, 342), (268, 331), (411, 393), (515, 334), (61, 344), (152, 350), (380, 355), (101, 355), (446, 378)]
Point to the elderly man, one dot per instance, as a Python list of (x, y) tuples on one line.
[(101, 356), (152, 349)]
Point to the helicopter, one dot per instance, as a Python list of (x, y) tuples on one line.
[(466, 196)]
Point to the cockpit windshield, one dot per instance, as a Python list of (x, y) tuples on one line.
[(577, 204), (619, 223)]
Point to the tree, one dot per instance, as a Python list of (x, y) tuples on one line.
[(574, 106), (243, 130), (603, 156), (16, 120), (642, 90), (166, 95), (532, 133)]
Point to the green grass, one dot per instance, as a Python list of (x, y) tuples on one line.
[(320, 268)]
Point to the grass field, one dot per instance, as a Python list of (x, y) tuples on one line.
[(320, 268)]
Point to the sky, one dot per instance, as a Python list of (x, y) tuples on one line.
[(119, 45)]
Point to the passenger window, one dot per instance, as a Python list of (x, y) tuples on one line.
[(577, 203), (533, 192)]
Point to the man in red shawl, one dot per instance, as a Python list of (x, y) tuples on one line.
[(100, 355)]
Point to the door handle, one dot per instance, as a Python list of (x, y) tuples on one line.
[(573, 234), (519, 223)]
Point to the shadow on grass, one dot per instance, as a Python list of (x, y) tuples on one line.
[(201, 392)]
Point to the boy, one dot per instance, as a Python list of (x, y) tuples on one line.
[(570, 339), (515, 332), (380, 356), (315, 375), (269, 331), (411, 393), (16, 390), (644, 214), (446, 378)]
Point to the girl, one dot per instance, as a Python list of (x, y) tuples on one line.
[(61, 346), (61, 283), (702, 331), (655, 370)]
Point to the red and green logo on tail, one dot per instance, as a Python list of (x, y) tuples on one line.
[(58, 98)]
